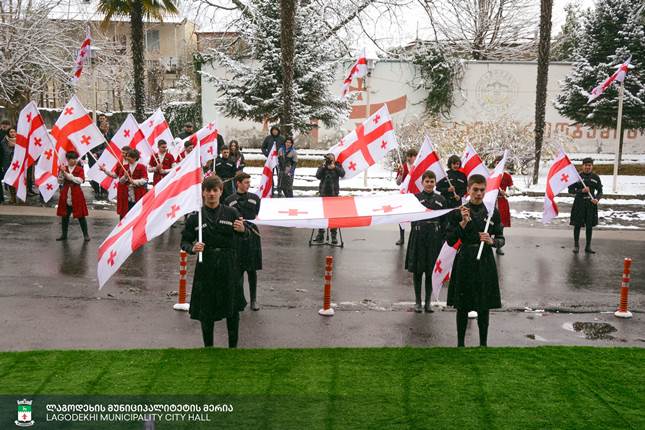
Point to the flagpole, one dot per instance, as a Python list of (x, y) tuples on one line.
[(369, 113), (619, 130), (199, 212), (481, 244)]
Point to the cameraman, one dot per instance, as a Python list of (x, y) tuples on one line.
[(329, 174)]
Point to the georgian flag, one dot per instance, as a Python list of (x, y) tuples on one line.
[(31, 139), (74, 130), (367, 144), (443, 266), (618, 76), (472, 164), (493, 183), (177, 194), (344, 212), (266, 183), (358, 70), (561, 174), (154, 129), (428, 159), (83, 54), (128, 134), (207, 135)]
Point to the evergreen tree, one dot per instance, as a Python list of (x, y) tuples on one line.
[(567, 41), (610, 34), (252, 87)]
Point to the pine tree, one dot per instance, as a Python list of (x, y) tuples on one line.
[(252, 90), (567, 41), (610, 35)]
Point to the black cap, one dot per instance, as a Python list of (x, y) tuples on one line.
[(587, 160)]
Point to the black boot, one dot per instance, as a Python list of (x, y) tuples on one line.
[(462, 325), (576, 248), (208, 328), (320, 237), (334, 236), (499, 251), (401, 240), (233, 326), (416, 278), (253, 288), (65, 226), (83, 223)]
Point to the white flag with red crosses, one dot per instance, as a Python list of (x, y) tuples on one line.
[(207, 135), (428, 159), (472, 164), (154, 129), (358, 70), (31, 139), (443, 267), (366, 145), (74, 130), (177, 194), (561, 175), (266, 183), (83, 54), (618, 76)]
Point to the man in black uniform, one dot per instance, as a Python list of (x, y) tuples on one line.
[(585, 205), (329, 175), (474, 284), (225, 168), (453, 188), (248, 204), (426, 240), (217, 292)]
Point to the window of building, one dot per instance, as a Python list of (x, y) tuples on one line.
[(152, 40)]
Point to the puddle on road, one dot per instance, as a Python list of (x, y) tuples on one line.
[(594, 330)]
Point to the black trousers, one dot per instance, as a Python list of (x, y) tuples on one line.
[(483, 316), (232, 325), (417, 288), (588, 233), (65, 223), (253, 283)]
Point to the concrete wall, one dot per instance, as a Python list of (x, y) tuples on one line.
[(488, 91)]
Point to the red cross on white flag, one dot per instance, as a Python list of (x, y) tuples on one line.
[(266, 182), (364, 147), (443, 266), (358, 70), (31, 139), (562, 173), (74, 130), (428, 159), (177, 194), (472, 164), (83, 54)]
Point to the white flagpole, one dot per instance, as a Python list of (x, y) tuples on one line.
[(619, 132), (481, 244), (199, 213), (369, 112)]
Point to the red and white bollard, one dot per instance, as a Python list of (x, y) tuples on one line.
[(183, 262), (327, 310), (622, 311)]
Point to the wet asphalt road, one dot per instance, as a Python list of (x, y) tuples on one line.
[(50, 298)]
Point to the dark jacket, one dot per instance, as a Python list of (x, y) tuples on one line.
[(269, 141), (248, 205), (474, 285), (329, 180), (225, 169), (459, 181), (217, 291), (583, 211), (426, 237)]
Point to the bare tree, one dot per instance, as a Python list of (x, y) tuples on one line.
[(483, 29), (34, 51)]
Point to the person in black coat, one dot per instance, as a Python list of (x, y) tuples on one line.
[(225, 168), (426, 240), (584, 212), (329, 175), (453, 188), (248, 204), (217, 292), (474, 284), (274, 138)]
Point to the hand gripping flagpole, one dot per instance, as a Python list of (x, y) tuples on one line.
[(481, 244)]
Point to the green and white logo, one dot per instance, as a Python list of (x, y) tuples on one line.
[(24, 413)]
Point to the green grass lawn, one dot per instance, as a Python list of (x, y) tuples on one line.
[(537, 388)]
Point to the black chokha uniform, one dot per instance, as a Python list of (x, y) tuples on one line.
[(217, 292), (226, 169), (459, 181), (248, 204), (424, 245), (584, 212), (474, 285)]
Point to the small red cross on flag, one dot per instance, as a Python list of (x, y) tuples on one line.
[(29, 117), (15, 165), (50, 187), (38, 141), (48, 154), (69, 111), (173, 211), (293, 212), (437, 267), (85, 139), (386, 209), (564, 178), (126, 133), (352, 165), (111, 258)]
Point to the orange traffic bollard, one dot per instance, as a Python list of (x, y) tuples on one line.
[(327, 310), (622, 311), (183, 262)]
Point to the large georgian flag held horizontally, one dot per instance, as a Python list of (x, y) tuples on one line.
[(74, 130), (128, 134), (266, 182), (32, 138), (561, 174), (344, 212), (177, 194), (428, 159), (155, 128), (443, 266), (367, 144), (493, 183), (358, 70), (472, 164)]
